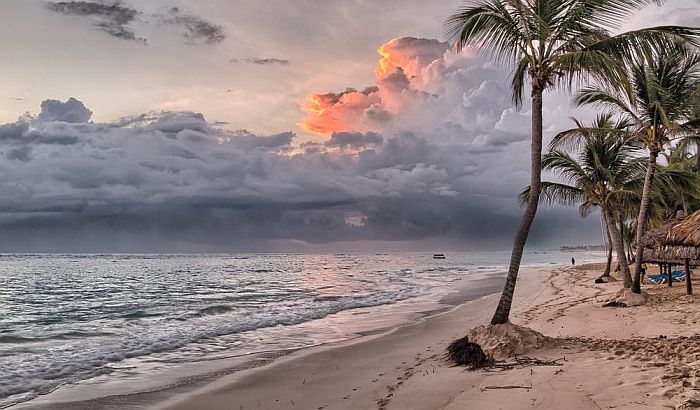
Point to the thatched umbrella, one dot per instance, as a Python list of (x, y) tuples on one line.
[(685, 237), (683, 241), (676, 242), (656, 251), (654, 243)]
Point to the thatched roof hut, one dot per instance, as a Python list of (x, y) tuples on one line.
[(686, 234), (655, 241), (679, 245), (675, 241)]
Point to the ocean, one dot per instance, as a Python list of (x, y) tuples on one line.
[(81, 325)]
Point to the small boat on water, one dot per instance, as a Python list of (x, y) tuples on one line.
[(438, 256)]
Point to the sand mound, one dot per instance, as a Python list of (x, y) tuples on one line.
[(617, 275), (605, 279), (629, 298), (507, 340)]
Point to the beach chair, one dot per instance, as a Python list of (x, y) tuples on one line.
[(657, 279), (676, 276)]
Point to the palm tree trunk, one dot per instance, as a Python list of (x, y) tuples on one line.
[(642, 219), (630, 253), (608, 264), (503, 310), (697, 158), (621, 225), (619, 249)]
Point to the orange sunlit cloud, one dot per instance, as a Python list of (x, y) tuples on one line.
[(401, 60), (329, 113)]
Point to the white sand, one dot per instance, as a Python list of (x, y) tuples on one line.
[(611, 358)]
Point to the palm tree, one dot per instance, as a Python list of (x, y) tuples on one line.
[(552, 43), (604, 171), (629, 232), (678, 198), (693, 129), (662, 86), (609, 248), (607, 173)]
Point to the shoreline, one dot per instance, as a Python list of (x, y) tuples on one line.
[(608, 358), (466, 291), (219, 393)]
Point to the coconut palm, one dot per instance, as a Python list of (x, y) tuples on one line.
[(606, 173), (603, 171), (677, 198), (693, 128), (629, 231), (552, 43), (609, 249), (658, 104)]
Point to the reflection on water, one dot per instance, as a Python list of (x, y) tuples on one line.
[(66, 318)]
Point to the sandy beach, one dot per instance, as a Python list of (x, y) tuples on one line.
[(607, 358)]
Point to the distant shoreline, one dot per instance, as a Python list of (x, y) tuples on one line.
[(582, 248)]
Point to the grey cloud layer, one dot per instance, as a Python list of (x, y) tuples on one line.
[(174, 181), (116, 20), (261, 61), (113, 19), (195, 28), (433, 151)]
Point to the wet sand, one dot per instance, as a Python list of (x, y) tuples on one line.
[(608, 358)]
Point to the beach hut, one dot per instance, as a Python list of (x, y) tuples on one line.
[(683, 242), (655, 251), (678, 243)]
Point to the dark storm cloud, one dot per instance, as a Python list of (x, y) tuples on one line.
[(248, 142), (175, 181), (19, 154), (113, 19), (261, 61), (195, 29), (71, 111), (355, 140), (116, 20), (448, 165), (13, 131), (174, 122)]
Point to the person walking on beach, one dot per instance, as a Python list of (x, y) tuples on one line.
[(573, 261)]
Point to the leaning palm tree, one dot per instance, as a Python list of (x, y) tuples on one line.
[(609, 249), (606, 173), (629, 232), (659, 102), (552, 43), (586, 137), (604, 170)]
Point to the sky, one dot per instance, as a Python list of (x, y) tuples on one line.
[(297, 125)]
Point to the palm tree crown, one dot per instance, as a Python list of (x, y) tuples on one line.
[(660, 99), (559, 42), (554, 43), (604, 173), (657, 105)]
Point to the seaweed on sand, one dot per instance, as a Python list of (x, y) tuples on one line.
[(462, 352)]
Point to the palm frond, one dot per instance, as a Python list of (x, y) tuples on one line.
[(553, 192)]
